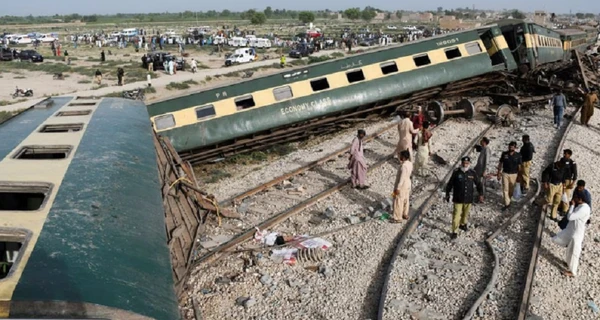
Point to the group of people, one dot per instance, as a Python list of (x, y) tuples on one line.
[(565, 195)]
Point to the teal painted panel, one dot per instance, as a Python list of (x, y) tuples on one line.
[(315, 70), (104, 240), (256, 120), (13, 131)]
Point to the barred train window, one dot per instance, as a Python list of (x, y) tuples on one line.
[(422, 60), (452, 53), (283, 93), (205, 112), (164, 122), (388, 67), (473, 48)]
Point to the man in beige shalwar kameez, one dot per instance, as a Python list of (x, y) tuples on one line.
[(402, 188), (405, 134)]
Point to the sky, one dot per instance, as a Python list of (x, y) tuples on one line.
[(85, 7)]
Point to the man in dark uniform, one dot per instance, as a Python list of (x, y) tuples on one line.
[(462, 181), (570, 176), (553, 178), (527, 151), (508, 169)]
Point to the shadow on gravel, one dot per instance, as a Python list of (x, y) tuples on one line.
[(584, 147), (554, 260), (386, 143)]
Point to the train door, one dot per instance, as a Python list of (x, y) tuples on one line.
[(515, 38), (492, 48)]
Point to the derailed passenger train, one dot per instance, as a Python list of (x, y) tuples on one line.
[(82, 225), (220, 119)]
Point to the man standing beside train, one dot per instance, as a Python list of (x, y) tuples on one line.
[(570, 169), (559, 103), (405, 134), (527, 151), (462, 181), (508, 168)]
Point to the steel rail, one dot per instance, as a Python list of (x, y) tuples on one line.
[(416, 219)]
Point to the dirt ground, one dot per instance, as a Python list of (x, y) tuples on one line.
[(86, 59)]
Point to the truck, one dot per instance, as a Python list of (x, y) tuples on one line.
[(241, 56)]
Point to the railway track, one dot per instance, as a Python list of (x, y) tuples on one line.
[(486, 273), (375, 234)]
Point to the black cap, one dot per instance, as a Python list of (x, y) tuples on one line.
[(465, 159)]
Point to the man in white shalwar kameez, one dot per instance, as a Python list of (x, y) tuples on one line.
[(572, 236)]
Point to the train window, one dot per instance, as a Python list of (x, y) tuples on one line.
[(82, 104), (422, 60), (473, 48), (15, 196), (319, 84), (12, 244), (452, 53), (355, 76), (205, 112), (388, 67), (164, 122), (67, 127), (244, 102), (283, 93), (73, 113), (43, 152)]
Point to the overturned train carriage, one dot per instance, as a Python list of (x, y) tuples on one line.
[(82, 229), (360, 83)]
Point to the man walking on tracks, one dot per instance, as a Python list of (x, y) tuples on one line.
[(559, 102), (588, 107), (507, 172), (572, 236), (570, 169), (481, 167), (553, 178), (462, 181), (402, 188), (358, 164), (527, 151), (405, 134)]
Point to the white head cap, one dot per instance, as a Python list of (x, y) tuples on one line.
[(419, 108)]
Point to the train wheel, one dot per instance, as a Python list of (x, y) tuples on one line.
[(435, 112), (467, 106), (505, 115)]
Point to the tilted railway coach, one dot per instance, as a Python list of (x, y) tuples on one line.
[(228, 115), (82, 229)]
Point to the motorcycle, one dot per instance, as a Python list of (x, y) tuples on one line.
[(136, 94), (23, 93)]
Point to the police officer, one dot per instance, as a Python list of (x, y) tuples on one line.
[(508, 168), (570, 168), (462, 181), (553, 178)]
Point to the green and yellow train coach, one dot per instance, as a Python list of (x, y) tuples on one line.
[(531, 45), (219, 115), (82, 229), (573, 39), (591, 34)]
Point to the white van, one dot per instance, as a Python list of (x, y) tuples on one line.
[(238, 42), (241, 56), (23, 40), (46, 38), (260, 43), (130, 32)]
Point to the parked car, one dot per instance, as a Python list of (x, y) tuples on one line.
[(6, 54), (302, 51), (30, 55), (158, 59), (367, 42), (47, 38)]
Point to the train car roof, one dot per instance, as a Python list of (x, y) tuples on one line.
[(587, 28), (95, 235), (569, 32)]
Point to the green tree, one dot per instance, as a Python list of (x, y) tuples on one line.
[(517, 14), (589, 16), (306, 16), (388, 15), (225, 13), (368, 14), (579, 15), (352, 13), (483, 15), (268, 12), (258, 18), (440, 9), (399, 14)]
